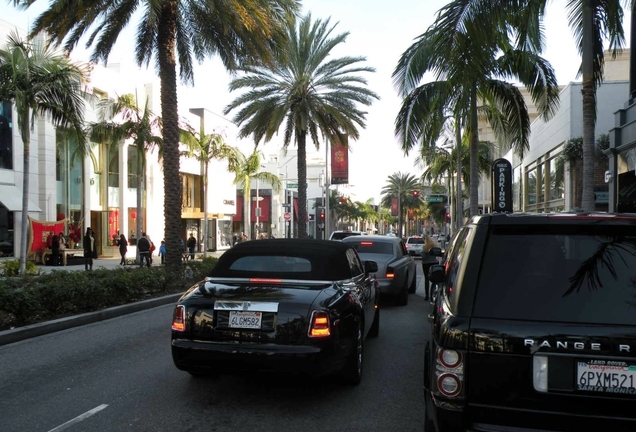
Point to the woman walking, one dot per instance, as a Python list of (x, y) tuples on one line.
[(123, 248)]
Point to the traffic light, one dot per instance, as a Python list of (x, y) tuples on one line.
[(448, 216), (416, 193)]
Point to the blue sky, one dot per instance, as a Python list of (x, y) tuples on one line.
[(379, 31)]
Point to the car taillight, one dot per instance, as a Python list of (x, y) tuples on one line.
[(449, 373), (319, 325), (390, 273), (178, 319)]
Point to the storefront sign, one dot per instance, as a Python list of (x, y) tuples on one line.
[(501, 186)]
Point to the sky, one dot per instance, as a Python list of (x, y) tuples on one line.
[(378, 30)]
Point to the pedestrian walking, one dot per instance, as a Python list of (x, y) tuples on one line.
[(427, 261), (143, 247), (123, 248), (89, 248), (192, 244)]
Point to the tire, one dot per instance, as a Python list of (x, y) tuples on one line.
[(351, 373), (413, 285), (374, 331)]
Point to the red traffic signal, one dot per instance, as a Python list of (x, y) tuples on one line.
[(416, 193), (447, 215), (322, 214)]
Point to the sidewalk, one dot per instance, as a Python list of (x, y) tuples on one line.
[(110, 263)]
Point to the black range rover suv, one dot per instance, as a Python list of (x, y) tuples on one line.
[(534, 328)]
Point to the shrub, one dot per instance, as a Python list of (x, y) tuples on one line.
[(12, 268), (27, 300)]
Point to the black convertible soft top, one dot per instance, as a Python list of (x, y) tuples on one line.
[(299, 258)]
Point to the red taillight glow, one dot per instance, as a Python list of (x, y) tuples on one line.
[(319, 325), (366, 243), (178, 319)]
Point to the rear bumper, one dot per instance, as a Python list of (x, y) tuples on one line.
[(487, 418), (231, 357), (390, 287)]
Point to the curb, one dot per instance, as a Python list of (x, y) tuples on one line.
[(34, 330)]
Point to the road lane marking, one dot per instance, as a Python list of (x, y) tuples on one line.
[(79, 418)]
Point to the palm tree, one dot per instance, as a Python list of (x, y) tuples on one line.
[(123, 120), (40, 82), (401, 186), (441, 164), (470, 61), (171, 32), (245, 170), (309, 91), (205, 148)]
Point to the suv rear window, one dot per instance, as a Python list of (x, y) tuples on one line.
[(415, 240), (578, 274), (370, 247)]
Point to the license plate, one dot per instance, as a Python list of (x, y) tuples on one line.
[(606, 376), (245, 319)]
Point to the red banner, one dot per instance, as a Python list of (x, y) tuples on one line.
[(394, 207), (40, 231), (340, 161)]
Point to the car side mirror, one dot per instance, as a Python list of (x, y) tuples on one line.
[(436, 251), (436, 273), (370, 266)]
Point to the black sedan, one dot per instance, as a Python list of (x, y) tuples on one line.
[(397, 271), (279, 305)]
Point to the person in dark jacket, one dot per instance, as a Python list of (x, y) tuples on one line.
[(55, 251), (89, 247), (123, 248), (427, 262), (192, 244), (143, 247)]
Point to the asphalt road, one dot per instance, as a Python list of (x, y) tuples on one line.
[(118, 375)]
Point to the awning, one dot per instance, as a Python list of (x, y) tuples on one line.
[(11, 198)]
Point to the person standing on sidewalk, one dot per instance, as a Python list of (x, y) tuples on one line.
[(162, 252), (143, 246), (191, 243), (89, 247)]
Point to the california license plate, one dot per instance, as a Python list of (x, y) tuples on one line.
[(245, 319), (606, 376)]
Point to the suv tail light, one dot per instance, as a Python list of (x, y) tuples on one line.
[(178, 319), (319, 325), (449, 373)]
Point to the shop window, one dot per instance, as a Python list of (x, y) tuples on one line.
[(6, 136)]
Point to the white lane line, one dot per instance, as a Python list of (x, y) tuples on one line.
[(79, 418)]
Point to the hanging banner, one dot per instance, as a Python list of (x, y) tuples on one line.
[(394, 206), (501, 186), (340, 161)]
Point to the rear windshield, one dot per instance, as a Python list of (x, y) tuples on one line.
[(271, 264), (370, 247), (341, 235), (418, 240), (565, 273)]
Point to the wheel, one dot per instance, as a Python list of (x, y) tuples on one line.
[(374, 331), (351, 373), (413, 285)]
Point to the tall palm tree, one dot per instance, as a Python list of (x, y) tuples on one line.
[(206, 148), (470, 63), (40, 82), (246, 169), (309, 91), (120, 120), (171, 32), (401, 186)]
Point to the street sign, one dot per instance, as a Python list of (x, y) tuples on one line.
[(435, 198), (292, 185), (287, 216)]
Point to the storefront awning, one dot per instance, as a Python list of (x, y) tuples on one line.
[(11, 198)]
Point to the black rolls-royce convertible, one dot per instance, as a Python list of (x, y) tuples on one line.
[(279, 305)]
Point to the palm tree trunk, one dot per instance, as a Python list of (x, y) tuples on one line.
[(459, 204), (474, 154), (247, 208), (24, 223), (589, 108), (302, 184), (171, 180), (205, 210)]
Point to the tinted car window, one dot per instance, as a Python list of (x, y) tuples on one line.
[(272, 264), (371, 247), (418, 240), (455, 265), (563, 273), (354, 263)]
